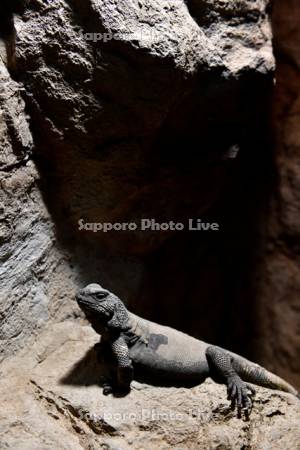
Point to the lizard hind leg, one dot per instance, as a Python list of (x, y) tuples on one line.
[(221, 370)]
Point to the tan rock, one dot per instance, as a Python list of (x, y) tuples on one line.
[(51, 397)]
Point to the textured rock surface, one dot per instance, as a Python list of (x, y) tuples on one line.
[(123, 115), (50, 398), (31, 267), (116, 126), (141, 125), (24, 234)]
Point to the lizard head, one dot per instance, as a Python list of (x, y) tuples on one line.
[(101, 306), (95, 300)]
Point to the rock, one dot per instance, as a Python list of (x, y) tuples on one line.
[(122, 93), (127, 127), (29, 259), (51, 398), (23, 223), (138, 110)]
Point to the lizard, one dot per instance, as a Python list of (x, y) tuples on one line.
[(136, 346)]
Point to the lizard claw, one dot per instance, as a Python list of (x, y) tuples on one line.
[(241, 398), (117, 391), (251, 389), (107, 389)]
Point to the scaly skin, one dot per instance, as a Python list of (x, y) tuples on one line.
[(160, 354)]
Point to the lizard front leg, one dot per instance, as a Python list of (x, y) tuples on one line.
[(124, 369), (221, 369)]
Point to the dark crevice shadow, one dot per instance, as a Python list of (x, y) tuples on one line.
[(192, 282), (87, 371), (200, 284)]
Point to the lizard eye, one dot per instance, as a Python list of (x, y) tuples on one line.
[(100, 295)]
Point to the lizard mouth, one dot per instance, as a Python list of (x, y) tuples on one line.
[(90, 307), (82, 302)]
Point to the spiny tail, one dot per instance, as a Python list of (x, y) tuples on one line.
[(253, 373)]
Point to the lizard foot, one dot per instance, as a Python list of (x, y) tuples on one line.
[(107, 389), (121, 391), (117, 391), (241, 396)]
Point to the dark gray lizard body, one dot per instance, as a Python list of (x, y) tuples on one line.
[(166, 356)]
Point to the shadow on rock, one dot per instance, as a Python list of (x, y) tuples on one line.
[(89, 370)]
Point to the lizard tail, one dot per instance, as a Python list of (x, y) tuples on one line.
[(253, 373)]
